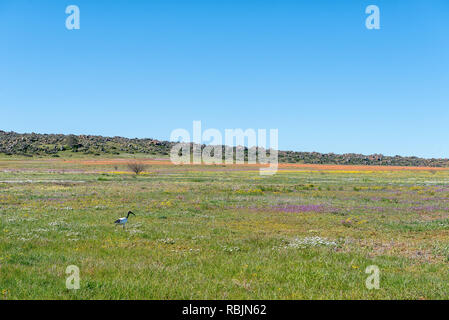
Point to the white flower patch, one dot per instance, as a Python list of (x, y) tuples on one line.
[(167, 241), (135, 231), (230, 249), (308, 242), (72, 234)]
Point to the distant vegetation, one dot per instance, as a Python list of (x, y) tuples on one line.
[(33, 144)]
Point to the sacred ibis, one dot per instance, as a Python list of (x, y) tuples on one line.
[(123, 221)]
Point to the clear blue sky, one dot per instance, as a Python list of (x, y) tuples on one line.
[(309, 68)]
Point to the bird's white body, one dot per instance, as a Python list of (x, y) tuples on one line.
[(123, 221)]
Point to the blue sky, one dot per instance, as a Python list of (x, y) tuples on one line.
[(308, 68)]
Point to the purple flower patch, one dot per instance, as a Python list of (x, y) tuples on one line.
[(293, 208), (428, 208)]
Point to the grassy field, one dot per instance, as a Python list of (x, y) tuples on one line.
[(216, 232)]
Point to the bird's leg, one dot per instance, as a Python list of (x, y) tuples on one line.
[(123, 226)]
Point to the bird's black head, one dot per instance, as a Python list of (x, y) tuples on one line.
[(130, 212)]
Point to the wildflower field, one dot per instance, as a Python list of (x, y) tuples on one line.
[(221, 232)]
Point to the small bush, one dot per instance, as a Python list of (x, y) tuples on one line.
[(137, 167)]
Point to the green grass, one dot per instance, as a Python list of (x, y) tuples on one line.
[(214, 233)]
